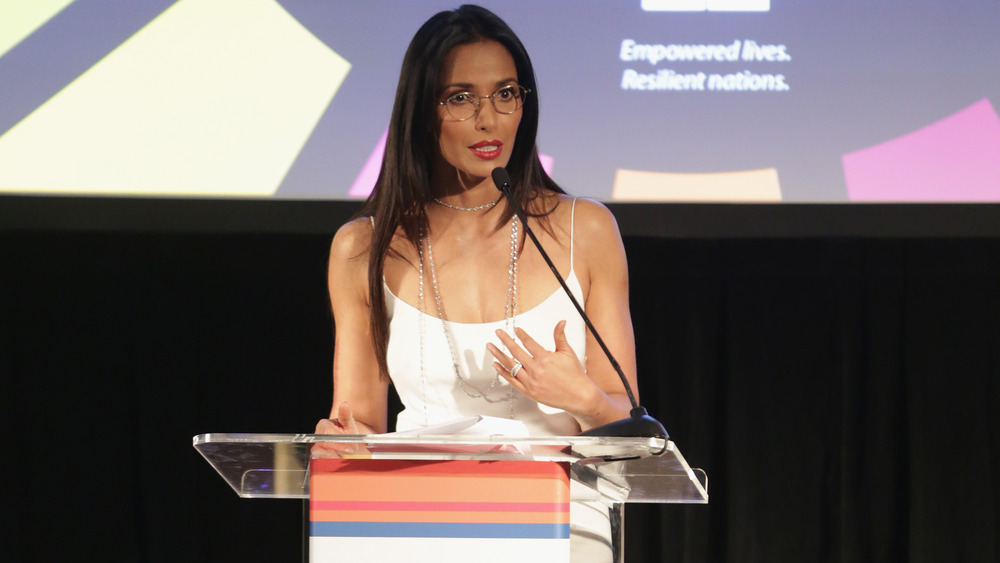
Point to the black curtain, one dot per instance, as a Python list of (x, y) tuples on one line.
[(840, 393)]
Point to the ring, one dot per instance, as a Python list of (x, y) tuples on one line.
[(515, 369)]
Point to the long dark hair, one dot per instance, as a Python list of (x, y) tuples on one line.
[(403, 185)]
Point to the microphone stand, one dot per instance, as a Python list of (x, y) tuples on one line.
[(639, 424)]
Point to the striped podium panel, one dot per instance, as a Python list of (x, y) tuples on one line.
[(368, 510)]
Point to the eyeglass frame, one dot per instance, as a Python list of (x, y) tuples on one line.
[(478, 101)]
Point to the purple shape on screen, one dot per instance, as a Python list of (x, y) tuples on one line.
[(954, 159), (365, 182)]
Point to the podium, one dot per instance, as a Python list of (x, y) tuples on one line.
[(602, 471)]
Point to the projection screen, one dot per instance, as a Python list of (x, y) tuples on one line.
[(704, 101)]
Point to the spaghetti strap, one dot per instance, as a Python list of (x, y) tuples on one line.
[(572, 225)]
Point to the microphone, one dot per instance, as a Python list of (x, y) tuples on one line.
[(639, 424)]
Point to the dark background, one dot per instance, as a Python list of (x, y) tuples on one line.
[(840, 390)]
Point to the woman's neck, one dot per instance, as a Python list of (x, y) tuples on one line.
[(462, 197), (447, 219)]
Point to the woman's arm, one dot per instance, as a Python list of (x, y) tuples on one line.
[(359, 394), (602, 252)]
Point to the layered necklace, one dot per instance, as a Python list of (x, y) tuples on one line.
[(491, 394)]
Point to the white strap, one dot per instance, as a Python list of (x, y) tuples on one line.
[(572, 224)]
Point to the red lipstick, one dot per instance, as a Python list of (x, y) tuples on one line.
[(487, 150)]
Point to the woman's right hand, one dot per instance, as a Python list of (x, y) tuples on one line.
[(343, 424)]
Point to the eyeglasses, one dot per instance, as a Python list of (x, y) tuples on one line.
[(507, 100)]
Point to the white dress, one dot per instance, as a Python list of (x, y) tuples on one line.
[(435, 397)]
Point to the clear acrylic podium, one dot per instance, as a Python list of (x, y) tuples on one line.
[(610, 470)]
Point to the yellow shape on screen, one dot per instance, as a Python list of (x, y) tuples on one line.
[(19, 19), (213, 97), (741, 186)]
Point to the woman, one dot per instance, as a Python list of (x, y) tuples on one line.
[(431, 285), (435, 208)]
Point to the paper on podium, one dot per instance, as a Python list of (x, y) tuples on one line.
[(472, 426), (480, 425)]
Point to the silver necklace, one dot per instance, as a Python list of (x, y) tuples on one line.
[(476, 208), (510, 312)]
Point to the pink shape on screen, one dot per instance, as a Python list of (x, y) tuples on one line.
[(547, 162), (365, 182), (954, 159)]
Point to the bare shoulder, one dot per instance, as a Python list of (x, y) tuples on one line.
[(352, 241), (599, 245), (347, 270), (562, 207), (594, 221)]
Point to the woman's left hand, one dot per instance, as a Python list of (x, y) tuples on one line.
[(553, 378)]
